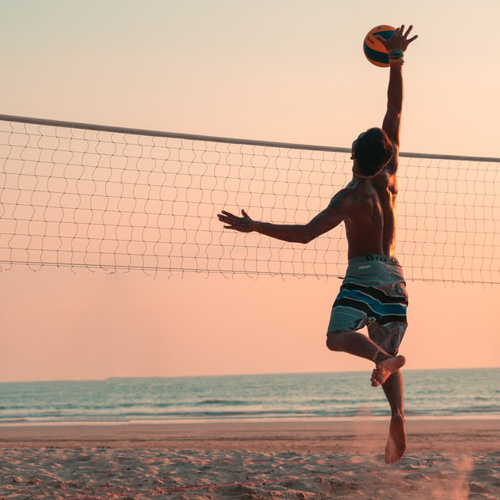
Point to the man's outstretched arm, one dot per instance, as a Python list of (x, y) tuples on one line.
[(396, 47), (329, 218)]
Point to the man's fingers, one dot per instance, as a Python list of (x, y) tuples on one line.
[(227, 216), (408, 31), (236, 228), (225, 220)]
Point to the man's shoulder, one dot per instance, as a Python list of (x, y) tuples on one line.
[(387, 177), (392, 166), (351, 197), (342, 199)]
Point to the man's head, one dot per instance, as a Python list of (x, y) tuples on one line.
[(372, 151)]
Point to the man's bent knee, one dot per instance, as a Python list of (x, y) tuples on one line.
[(331, 340)]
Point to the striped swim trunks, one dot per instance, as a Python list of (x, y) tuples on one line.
[(373, 294)]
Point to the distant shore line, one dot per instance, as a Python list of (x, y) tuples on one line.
[(243, 421)]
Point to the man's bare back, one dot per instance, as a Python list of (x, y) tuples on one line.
[(371, 222)]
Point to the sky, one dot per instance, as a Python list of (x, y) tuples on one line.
[(290, 71)]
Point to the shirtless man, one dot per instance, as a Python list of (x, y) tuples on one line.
[(373, 293)]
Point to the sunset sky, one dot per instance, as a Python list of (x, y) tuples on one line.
[(289, 71)]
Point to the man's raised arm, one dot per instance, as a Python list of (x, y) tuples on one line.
[(396, 47)]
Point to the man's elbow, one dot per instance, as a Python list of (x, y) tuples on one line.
[(395, 109), (303, 240), (306, 236)]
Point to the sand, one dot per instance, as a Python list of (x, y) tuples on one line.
[(445, 459)]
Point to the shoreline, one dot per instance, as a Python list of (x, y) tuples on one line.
[(264, 420), (350, 436)]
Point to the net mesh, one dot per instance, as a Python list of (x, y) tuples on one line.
[(84, 196)]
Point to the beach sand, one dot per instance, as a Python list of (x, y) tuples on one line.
[(446, 459)]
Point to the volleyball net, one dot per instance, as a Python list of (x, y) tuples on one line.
[(96, 197)]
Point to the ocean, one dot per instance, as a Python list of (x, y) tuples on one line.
[(464, 393)]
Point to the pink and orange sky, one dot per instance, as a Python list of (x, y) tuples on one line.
[(279, 71)]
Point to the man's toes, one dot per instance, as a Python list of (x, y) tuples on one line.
[(374, 378)]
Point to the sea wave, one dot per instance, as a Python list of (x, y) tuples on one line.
[(435, 394)]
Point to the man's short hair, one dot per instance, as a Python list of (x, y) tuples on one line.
[(372, 150)]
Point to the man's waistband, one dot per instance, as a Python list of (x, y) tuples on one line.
[(388, 259)]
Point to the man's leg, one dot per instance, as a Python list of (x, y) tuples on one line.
[(390, 336), (396, 443), (357, 344), (386, 373)]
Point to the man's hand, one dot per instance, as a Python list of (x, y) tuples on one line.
[(243, 224), (398, 40)]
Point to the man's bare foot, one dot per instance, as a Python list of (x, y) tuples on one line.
[(386, 368), (396, 443)]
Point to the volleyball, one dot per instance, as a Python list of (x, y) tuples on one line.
[(374, 50)]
